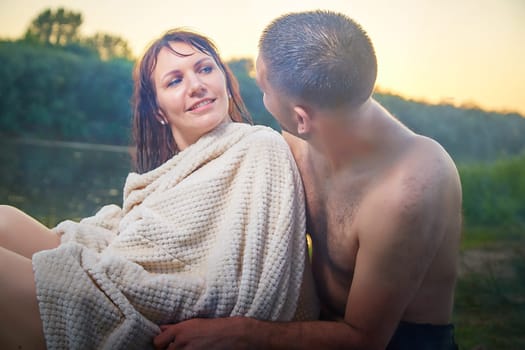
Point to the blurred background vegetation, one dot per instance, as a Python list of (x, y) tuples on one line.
[(65, 119)]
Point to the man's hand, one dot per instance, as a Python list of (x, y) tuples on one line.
[(200, 333)]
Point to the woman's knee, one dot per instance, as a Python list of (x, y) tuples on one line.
[(8, 216), (23, 234)]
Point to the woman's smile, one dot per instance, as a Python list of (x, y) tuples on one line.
[(202, 105)]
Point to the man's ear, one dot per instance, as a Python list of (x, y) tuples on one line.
[(304, 120)]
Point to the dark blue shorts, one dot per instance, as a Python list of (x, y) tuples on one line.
[(416, 336)]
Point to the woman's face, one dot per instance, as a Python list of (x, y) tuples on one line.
[(191, 93)]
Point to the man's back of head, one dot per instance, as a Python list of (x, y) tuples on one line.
[(322, 57)]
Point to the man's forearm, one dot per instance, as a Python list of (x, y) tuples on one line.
[(302, 335)]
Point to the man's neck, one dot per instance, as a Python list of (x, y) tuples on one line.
[(346, 135)]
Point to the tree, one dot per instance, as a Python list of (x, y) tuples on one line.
[(60, 28), (57, 28), (109, 46)]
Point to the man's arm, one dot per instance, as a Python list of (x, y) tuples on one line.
[(404, 225), (247, 333)]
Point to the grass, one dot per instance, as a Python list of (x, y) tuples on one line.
[(483, 237), (490, 295)]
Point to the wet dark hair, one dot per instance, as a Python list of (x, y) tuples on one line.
[(322, 57), (154, 142)]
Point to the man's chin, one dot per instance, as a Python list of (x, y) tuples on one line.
[(301, 136), (284, 128)]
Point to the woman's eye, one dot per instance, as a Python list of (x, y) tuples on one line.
[(174, 81), (206, 69)]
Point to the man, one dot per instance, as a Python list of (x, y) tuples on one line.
[(384, 204)]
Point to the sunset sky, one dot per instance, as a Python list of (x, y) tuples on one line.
[(458, 51)]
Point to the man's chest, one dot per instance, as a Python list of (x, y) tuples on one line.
[(335, 248), (332, 222), (334, 208)]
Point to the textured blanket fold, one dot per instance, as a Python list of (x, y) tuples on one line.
[(217, 230)]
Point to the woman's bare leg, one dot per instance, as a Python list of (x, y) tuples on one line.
[(20, 324), (22, 234)]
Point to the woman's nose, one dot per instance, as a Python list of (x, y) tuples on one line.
[(196, 86)]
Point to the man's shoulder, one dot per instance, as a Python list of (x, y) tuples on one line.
[(429, 162), (422, 179), (415, 156)]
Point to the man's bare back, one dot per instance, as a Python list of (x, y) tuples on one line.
[(348, 203)]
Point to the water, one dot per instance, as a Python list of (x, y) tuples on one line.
[(57, 181)]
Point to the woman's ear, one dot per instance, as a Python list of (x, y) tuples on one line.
[(160, 117), (304, 121)]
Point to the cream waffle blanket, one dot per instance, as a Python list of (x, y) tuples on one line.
[(217, 230)]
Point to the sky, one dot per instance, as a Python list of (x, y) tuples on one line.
[(463, 52)]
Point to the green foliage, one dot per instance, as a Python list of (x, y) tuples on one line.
[(481, 237), (468, 134), (56, 94), (493, 194)]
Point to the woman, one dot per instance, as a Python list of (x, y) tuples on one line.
[(212, 222)]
